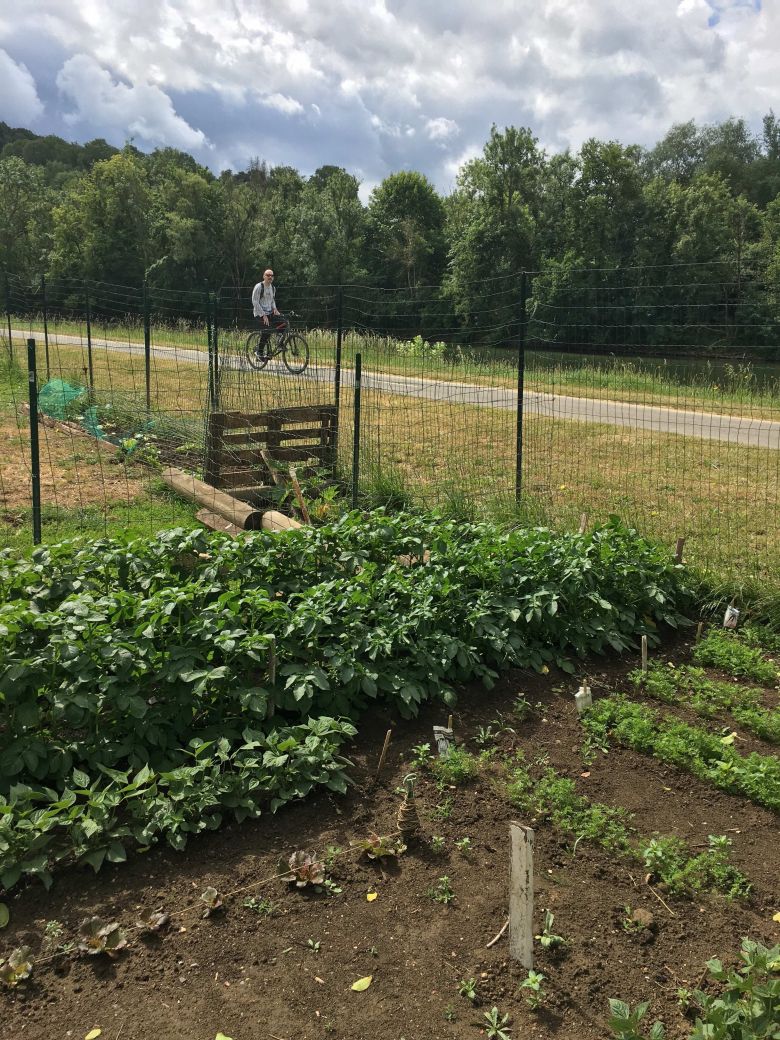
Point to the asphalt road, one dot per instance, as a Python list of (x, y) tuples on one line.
[(744, 430)]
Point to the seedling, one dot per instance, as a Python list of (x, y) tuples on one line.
[(331, 887), (485, 736), (456, 767), (314, 945), (437, 843), (17, 968), (52, 935), (306, 870), (449, 1013), (464, 845), (212, 899), (151, 921), (627, 1024), (422, 755), (443, 810), (536, 995), (442, 892), (497, 1024), (468, 988), (332, 852), (379, 847), (548, 939), (98, 936), (521, 709), (629, 923), (260, 906)]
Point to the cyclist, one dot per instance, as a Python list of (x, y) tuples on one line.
[(264, 308)]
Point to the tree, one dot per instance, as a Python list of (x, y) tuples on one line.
[(25, 205), (406, 221)]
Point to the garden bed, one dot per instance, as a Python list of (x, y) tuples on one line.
[(288, 973)]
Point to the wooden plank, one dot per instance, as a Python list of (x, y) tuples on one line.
[(299, 454), (256, 496), (302, 413), (255, 458), (241, 478), (212, 498), (521, 895), (314, 433), (238, 420)]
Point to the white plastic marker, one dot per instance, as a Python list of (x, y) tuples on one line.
[(583, 699), (445, 739), (644, 655)]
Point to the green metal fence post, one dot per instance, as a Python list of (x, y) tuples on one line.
[(35, 454), (88, 309), (356, 434), (147, 347), (215, 345), (520, 385), (8, 316), (45, 326), (337, 373)]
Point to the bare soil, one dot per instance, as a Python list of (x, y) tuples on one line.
[(255, 977)]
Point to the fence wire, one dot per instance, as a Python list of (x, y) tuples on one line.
[(650, 393)]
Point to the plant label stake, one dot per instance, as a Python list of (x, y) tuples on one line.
[(583, 522), (408, 820), (731, 617), (644, 655), (272, 661), (445, 739), (678, 550), (385, 746), (583, 699), (699, 630), (521, 894)]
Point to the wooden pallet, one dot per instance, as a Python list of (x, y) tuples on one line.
[(240, 446)]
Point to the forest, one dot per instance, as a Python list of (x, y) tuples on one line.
[(683, 234)]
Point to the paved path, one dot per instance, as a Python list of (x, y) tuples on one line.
[(743, 430)]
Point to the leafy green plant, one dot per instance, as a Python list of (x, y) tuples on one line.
[(437, 843), (456, 767), (450, 1014), (305, 870), (99, 936), (422, 756), (152, 920), (17, 967), (496, 1024), (724, 650), (443, 810), (377, 846), (626, 1023), (548, 939), (212, 900), (468, 988), (536, 995), (746, 1007), (263, 907), (464, 845), (442, 892), (314, 945)]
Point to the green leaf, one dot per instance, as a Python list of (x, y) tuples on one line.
[(362, 984), (5, 915)]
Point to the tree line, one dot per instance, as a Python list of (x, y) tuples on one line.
[(630, 244)]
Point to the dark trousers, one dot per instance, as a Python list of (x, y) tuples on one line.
[(276, 323)]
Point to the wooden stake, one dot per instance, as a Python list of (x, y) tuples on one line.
[(583, 522), (699, 629), (299, 495), (449, 722), (272, 661), (521, 895), (385, 746), (644, 655), (678, 550), (495, 938)]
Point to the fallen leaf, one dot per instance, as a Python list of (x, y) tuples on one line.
[(729, 739), (545, 669), (667, 789), (221, 1036), (4, 915), (371, 896), (318, 979), (587, 773), (362, 984), (776, 917), (93, 1034)]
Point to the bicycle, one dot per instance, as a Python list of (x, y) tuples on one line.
[(291, 345)]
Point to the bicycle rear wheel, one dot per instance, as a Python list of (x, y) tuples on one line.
[(296, 354), (256, 356)]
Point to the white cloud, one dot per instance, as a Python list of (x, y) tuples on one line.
[(141, 111), (19, 101), (440, 129), (390, 84)]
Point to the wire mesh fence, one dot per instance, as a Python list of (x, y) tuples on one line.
[(651, 393)]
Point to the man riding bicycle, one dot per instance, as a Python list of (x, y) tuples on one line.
[(264, 308)]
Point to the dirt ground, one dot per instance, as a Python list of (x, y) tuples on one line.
[(76, 470), (254, 977)]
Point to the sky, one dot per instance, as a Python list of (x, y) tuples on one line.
[(378, 86)]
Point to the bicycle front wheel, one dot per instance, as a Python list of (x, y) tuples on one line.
[(256, 355), (296, 354)]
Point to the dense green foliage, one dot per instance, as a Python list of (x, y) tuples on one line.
[(141, 684), (694, 750), (615, 216), (727, 651)]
